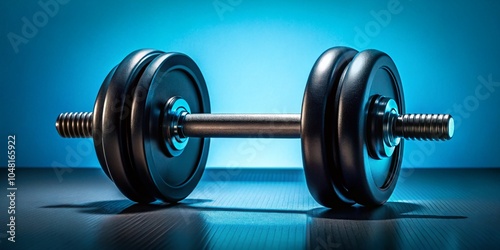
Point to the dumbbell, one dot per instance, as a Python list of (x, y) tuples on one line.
[(151, 126)]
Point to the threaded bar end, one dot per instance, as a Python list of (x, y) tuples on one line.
[(433, 127), (74, 125)]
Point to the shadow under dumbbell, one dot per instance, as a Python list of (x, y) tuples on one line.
[(389, 211), (124, 206), (195, 224)]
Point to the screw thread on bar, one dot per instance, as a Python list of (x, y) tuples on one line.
[(74, 125), (433, 127)]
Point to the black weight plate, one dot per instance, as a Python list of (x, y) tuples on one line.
[(370, 181), (97, 121), (318, 127), (116, 125), (170, 178)]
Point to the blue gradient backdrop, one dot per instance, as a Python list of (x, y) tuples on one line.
[(256, 57)]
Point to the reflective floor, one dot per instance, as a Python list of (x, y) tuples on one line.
[(253, 209)]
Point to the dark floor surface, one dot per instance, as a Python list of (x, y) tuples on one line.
[(252, 209)]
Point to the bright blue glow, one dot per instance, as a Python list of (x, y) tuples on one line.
[(256, 57)]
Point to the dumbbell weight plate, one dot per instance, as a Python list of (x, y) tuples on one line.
[(97, 129), (371, 73), (169, 178), (115, 123), (319, 126)]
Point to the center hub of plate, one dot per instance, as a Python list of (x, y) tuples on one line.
[(175, 109), (384, 112)]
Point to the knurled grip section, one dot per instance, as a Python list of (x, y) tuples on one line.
[(432, 127), (75, 125)]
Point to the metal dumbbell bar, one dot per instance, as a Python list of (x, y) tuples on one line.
[(333, 87), (185, 125)]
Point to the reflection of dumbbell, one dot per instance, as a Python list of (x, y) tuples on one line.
[(151, 126)]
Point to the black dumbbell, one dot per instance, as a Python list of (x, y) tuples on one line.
[(151, 126)]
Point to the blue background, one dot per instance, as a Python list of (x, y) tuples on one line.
[(256, 57)]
